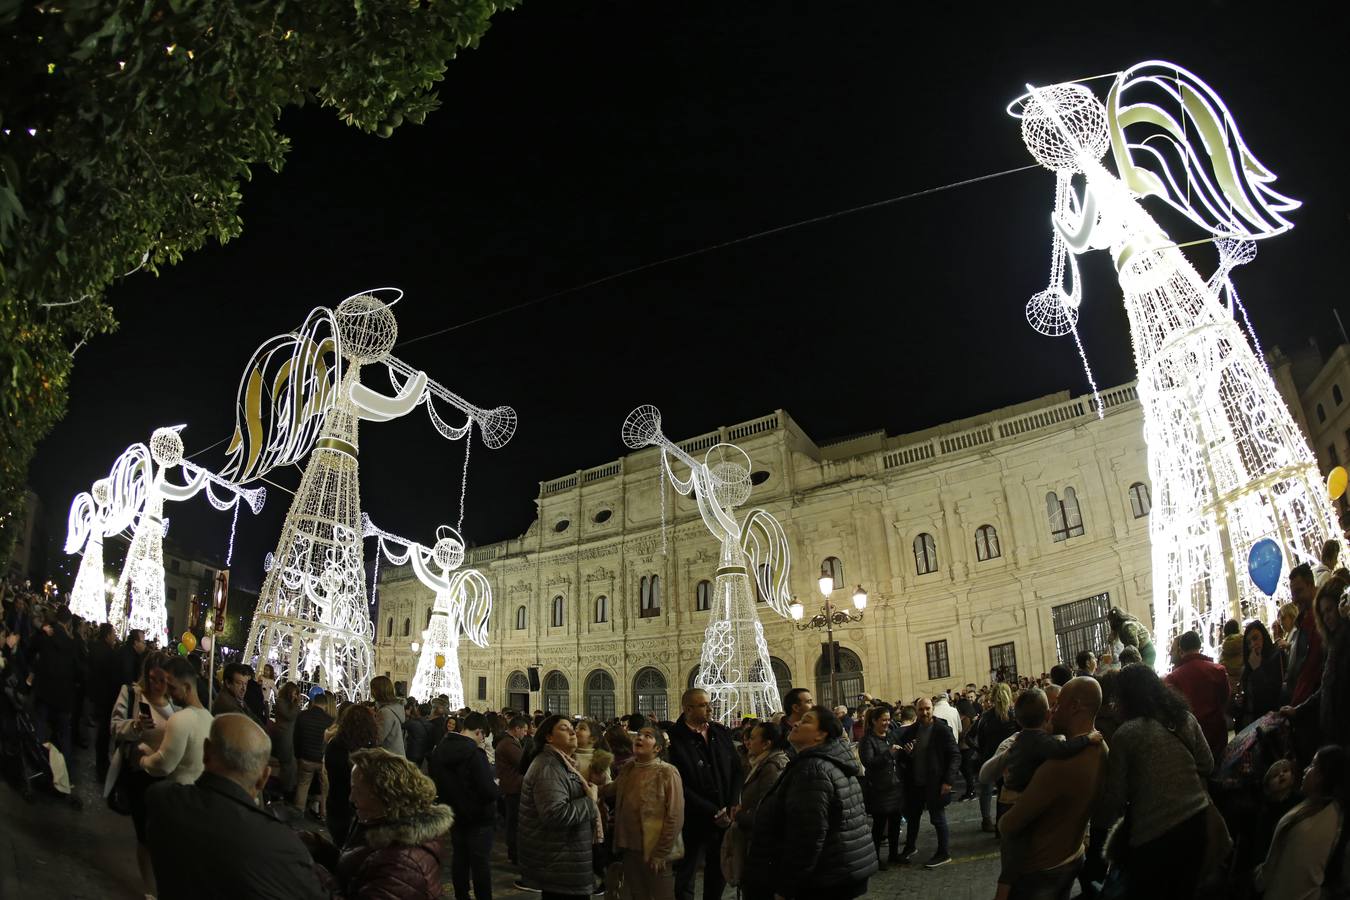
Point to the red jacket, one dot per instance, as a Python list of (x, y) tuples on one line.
[(1204, 684)]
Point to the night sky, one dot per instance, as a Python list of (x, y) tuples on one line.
[(586, 138)]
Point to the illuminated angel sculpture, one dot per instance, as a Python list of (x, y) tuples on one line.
[(301, 392), (463, 604), (734, 668), (1229, 467), (135, 493)]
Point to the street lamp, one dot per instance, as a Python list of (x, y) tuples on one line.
[(829, 618)]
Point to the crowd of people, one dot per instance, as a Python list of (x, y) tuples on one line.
[(1225, 777)]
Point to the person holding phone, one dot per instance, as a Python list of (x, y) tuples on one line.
[(139, 718)]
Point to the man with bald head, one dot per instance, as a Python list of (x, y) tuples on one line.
[(1052, 814), (252, 853)]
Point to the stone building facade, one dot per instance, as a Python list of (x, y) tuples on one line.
[(997, 541)]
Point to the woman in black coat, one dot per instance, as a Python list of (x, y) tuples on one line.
[(1262, 674), (811, 837), (881, 784)]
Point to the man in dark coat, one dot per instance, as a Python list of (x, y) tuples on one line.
[(465, 783), (105, 680), (54, 661), (932, 761), (510, 749), (705, 756), (261, 857)]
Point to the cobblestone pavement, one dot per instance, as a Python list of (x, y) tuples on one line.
[(48, 849)]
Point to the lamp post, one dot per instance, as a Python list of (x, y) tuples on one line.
[(829, 618)]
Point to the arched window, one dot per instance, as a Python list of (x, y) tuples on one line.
[(428, 625), (986, 543), (557, 615), (407, 627), (848, 677), (761, 576), (649, 594), (389, 631), (781, 674), (1336, 394), (1140, 501), (1321, 414), (832, 567), (520, 618), (601, 609), (1065, 519), (600, 696), (556, 693), (693, 676), (649, 693), (703, 596), (925, 554)]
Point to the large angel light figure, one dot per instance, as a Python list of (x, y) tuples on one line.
[(1229, 467), (734, 667), (302, 391), (463, 605), (138, 487)]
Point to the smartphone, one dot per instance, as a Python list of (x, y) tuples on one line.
[(145, 709)]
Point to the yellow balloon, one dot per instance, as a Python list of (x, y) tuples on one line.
[(189, 641), (1337, 479), (440, 660)]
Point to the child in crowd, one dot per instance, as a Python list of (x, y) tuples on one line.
[(1031, 746)]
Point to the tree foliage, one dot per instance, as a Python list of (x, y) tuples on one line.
[(126, 128)]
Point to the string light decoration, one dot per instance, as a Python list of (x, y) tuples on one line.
[(463, 605), (734, 666), (132, 498), (301, 394), (1228, 465)]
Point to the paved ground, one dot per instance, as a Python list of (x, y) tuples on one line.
[(50, 850)]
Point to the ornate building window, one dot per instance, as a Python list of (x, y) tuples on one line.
[(986, 543), (518, 691), (556, 693), (649, 694), (703, 596), (1066, 520), (848, 677), (1003, 662), (762, 575), (600, 696), (938, 664), (407, 627), (693, 675), (1336, 394), (601, 609), (1081, 625), (428, 625), (649, 596), (389, 631), (520, 618), (925, 554), (556, 620), (781, 674), (832, 567), (1140, 501), (1321, 414)]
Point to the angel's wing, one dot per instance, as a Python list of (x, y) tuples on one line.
[(128, 486), (765, 542), (288, 387), (1173, 137), (81, 521), (470, 589)]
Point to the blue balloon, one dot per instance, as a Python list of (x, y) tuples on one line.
[(1264, 564)]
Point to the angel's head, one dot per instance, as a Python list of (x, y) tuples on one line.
[(729, 467), (166, 446), (449, 549), (367, 326), (1062, 125), (102, 491)]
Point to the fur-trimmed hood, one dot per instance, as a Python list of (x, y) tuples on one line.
[(413, 830)]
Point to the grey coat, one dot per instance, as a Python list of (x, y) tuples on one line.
[(556, 827)]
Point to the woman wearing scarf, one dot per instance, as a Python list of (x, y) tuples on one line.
[(559, 815), (648, 818), (766, 747)]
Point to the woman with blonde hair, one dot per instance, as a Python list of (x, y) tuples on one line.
[(995, 725), (391, 714), (395, 850)]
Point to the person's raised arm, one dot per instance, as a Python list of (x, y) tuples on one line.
[(170, 753)]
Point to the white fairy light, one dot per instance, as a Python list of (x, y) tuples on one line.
[(133, 498), (734, 666), (463, 605), (1228, 465), (302, 394)]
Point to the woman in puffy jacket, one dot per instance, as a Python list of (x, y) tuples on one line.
[(881, 783), (811, 837), (396, 849), (559, 819)]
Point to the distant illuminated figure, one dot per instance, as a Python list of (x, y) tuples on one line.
[(463, 604), (1228, 465), (734, 668)]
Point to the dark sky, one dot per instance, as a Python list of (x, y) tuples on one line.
[(585, 138)]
